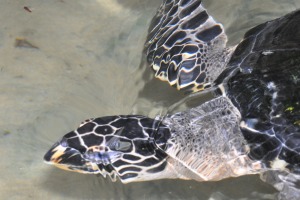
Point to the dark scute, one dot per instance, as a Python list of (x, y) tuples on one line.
[(179, 35), (273, 147), (184, 42), (168, 7), (263, 146), (163, 67), (174, 21), (108, 168), (254, 137), (201, 78), (164, 32), (209, 34), (191, 49), (124, 120), (105, 120), (148, 162), (174, 51), (100, 166), (159, 52), (104, 130), (206, 86), (160, 168), (166, 36), (89, 127), (132, 130), (131, 157), (150, 131), (189, 9), (254, 31), (177, 59), (173, 10), (69, 135), (196, 21), (249, 62), (188, 77), (148, 122), (119, 163), (172, 73), (265, 152), (290, 156), (71, 159), (241, 51), (264, 126), (255, 103), (144, 147), (159, 154), (184, 2), (153, 24), (118, 123), (188, 64), (75, 143), (134, 169), (203, 65), (257, 152), (166, 21), (128, 175), (285, 31), (92, 140)]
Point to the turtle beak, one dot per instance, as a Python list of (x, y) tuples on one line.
[(64, 157)]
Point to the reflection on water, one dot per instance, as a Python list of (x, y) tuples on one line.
[(86, 64)]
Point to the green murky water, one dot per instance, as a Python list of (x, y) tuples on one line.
[(68, 60)]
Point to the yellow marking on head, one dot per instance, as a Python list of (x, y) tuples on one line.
[(58, 152), (297, 122), (291, 108), (66, 167)]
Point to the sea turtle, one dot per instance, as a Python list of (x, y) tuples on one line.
[(251, 126)]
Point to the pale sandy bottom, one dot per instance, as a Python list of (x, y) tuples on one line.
[(84, 63)]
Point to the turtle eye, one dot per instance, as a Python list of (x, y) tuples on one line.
[(122, 146), (119, 144)]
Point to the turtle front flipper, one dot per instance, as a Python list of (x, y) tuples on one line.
[(185, 46)]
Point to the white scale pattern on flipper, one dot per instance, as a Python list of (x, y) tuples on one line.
[(185, 46), (207, 140)]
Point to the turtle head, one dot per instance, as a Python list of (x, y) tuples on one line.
[(128, 147)]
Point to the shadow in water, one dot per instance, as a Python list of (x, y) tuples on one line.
[(140, 4), (80, 186)]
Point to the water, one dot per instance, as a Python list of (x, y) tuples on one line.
[(82, 61)]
